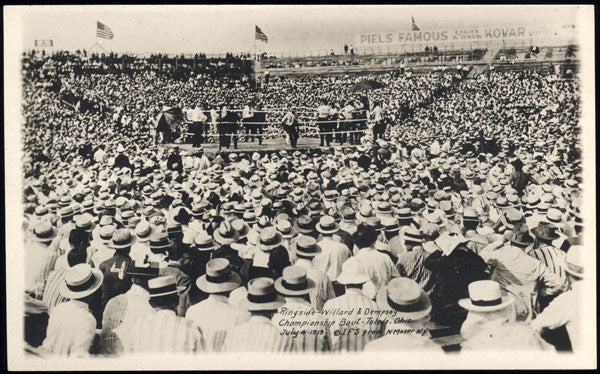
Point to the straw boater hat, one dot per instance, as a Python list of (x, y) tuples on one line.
[(81, 281), (250, 218), (263, 223), (404, 214), (225, 234), (41, 210), (269, 238), (330, 195), (511, 218), (327, 225), (363, 213), (160, 240), (384, 207), (406, 297), (121, 239), (143, 231), (314, 208), (353, 272), (348, 215), (204, 242), (240, 227), (43, 232), (66, 212), (485, 296), (284, 227), (219, 277), (575, 261), (164, 286), (106, 234), (294, 282), (390, 224), (133, 222), (84, 221), (554, 216), (469, 214), (262, 296), (304, 225), (412, 234), (307, 246)]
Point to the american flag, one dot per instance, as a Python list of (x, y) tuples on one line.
[(259, 35), (103, 31), (414, 25)]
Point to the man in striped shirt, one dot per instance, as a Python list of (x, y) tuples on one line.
[(214, 315), (549, 255), (56, 279), (546, 252), (122, 310), (349, 329), (306, 250), (72, 326), (163, 331), (295, 286), (40, 256), (411, 264), (259, 334)]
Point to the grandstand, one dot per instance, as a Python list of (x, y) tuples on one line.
[(420, 62)]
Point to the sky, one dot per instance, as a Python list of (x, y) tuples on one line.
[(294, 29)]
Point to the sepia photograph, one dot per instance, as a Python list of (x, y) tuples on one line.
[(300, 187)]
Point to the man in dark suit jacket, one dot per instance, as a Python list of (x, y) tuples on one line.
[(114, 269), (174, 161), (122, 161)]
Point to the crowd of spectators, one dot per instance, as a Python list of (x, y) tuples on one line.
[(465, 217)]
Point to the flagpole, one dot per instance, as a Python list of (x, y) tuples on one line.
[(255, 50)]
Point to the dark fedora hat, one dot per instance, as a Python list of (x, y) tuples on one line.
[(545, 231), (521, 239)]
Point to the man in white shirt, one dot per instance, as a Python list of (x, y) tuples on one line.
[(305, 251), (197, 118), (248, 116), (322, 118), (354, 335), (348, 125), (379, 124), (100, 155), (333, 253), (434, 148), (214, 315), (520, 274), (295, 286), (378, 265)]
